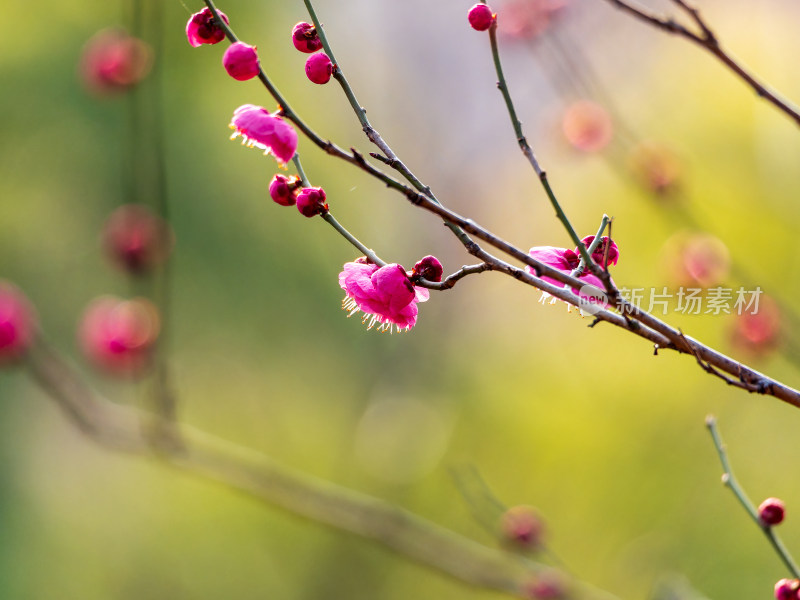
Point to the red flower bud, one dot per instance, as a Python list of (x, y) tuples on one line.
[(311, 202), (771, 511), (305, 38)]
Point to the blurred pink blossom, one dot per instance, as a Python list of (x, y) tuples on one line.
[(114, 61), (17, 322), (119, 336)]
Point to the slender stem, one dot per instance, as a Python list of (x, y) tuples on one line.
[(730, 481), (369, 253), (372, 134), (598, 238), (502, 85)]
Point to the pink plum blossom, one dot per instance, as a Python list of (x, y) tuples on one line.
[(201, 28), (17, 323), (566, 261), (385, 295), (263, 130)]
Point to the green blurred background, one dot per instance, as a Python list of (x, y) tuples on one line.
[(605, 439)]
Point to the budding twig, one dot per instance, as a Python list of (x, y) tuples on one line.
[(730, 481), (632, 319)]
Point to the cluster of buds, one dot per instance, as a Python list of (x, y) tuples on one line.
[(319, 67)]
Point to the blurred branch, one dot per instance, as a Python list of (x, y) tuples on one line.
[(730, 481), (244, 470), (708, 40)]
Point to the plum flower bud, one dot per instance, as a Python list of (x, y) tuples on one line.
[(522, 526), (480, 17), (599, 254), (284, 190), (136, 239), (241, 61), (787, 589), (587, 126), (771, 511), (17, 323), (114, 62), (319, 68), (428, 268), (119, 336), (311, 202), (263, 130), (202, 29), (305, 38)]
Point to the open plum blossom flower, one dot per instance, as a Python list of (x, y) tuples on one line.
[(385, 295), (263, 130), (566, 261)]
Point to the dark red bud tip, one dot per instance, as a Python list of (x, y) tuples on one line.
[(522, 526), (480, 17), (771, 511), (305, 38), (203, 29), (311, 202), (283, 190), (427, 268), (787, 589)]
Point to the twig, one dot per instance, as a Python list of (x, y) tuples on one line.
[(633, 319), (389, 158), (593, 246), (730, 481), (708, 40), (527, 151)]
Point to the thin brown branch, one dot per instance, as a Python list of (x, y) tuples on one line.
[(708, 40), (632, 318)]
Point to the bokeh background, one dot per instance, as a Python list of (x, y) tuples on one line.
[(606, 440)]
